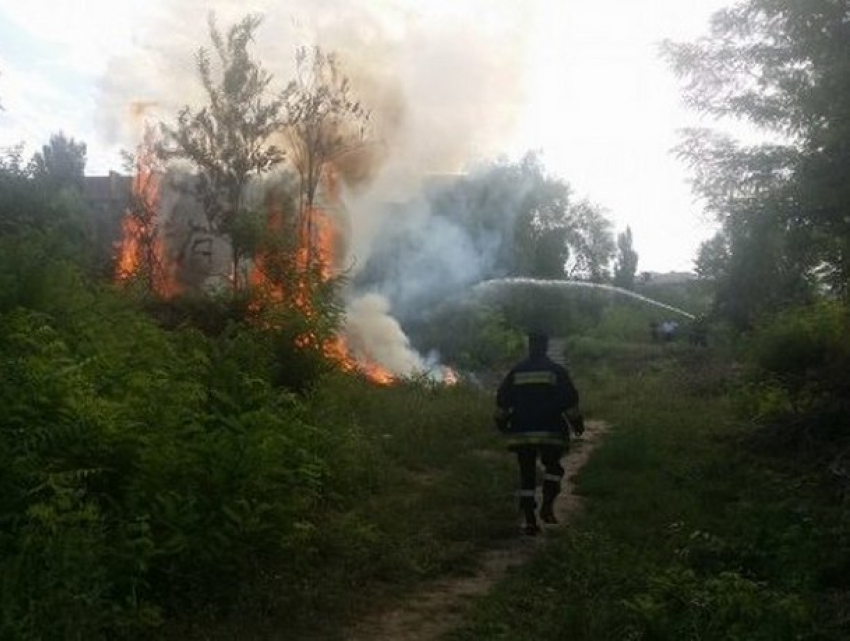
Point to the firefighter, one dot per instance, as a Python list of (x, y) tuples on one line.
[(537, 404)]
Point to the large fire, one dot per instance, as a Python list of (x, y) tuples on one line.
[(142, 255)]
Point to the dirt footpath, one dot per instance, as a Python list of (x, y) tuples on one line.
[(441, 606)]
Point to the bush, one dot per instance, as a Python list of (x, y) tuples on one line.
[(800, 358), (143, 471), (195, 463), (172, 478), (469, 336), (677, 601)]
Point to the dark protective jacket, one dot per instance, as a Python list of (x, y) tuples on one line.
[(536, 393)]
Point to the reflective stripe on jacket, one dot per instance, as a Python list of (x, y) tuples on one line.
[(536, 393)]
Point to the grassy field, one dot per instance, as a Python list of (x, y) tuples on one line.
[(690, 532)]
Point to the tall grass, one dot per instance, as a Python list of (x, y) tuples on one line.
[(160, 483)]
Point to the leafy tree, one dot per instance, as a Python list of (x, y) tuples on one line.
[(19, 203), (61, 163), (324, 122), (32, 211), (760, 260), (713, 258), (542, 231), (782, 66), (504, 219), (591, 242), (625, 267), (540, 244), (227, 139), (555, 236)]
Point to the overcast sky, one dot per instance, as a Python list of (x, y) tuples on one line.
[(579, 80)]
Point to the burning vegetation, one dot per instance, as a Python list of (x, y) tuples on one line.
[(261, 209), (141, 250), (144, 256)]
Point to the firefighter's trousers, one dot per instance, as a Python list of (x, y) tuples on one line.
[(550, 457)]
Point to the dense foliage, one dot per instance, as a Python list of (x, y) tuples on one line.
[(187, 465), (165, 477), (782, 66), (780, 260)]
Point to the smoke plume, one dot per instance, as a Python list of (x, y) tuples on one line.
[(443, 82), (375, 335)]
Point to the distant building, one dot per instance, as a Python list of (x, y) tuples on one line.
[(195, 256), (108, 195)]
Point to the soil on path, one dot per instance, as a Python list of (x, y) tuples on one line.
[(440, 606)]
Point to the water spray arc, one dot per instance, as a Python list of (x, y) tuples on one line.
[(497, 283)]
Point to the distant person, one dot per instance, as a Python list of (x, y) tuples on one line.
[(537, 404), (654, 331), (674, 330), (668, 330)]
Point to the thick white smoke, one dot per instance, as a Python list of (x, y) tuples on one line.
[(376, 336), (443, 80)]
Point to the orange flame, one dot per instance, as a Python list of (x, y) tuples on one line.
[(450, 376), (326, 237), (129, 248), (337, 349), (316, 256), (141, 251)]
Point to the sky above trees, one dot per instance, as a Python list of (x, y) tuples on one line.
[(456, 82)]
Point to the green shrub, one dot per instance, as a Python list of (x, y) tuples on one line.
[(678, 603), (472, 337), (151, 477), (800, 359), (799, 346)]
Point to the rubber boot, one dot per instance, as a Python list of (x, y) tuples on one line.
[(550, 491), (547, 515), (531, 527)]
